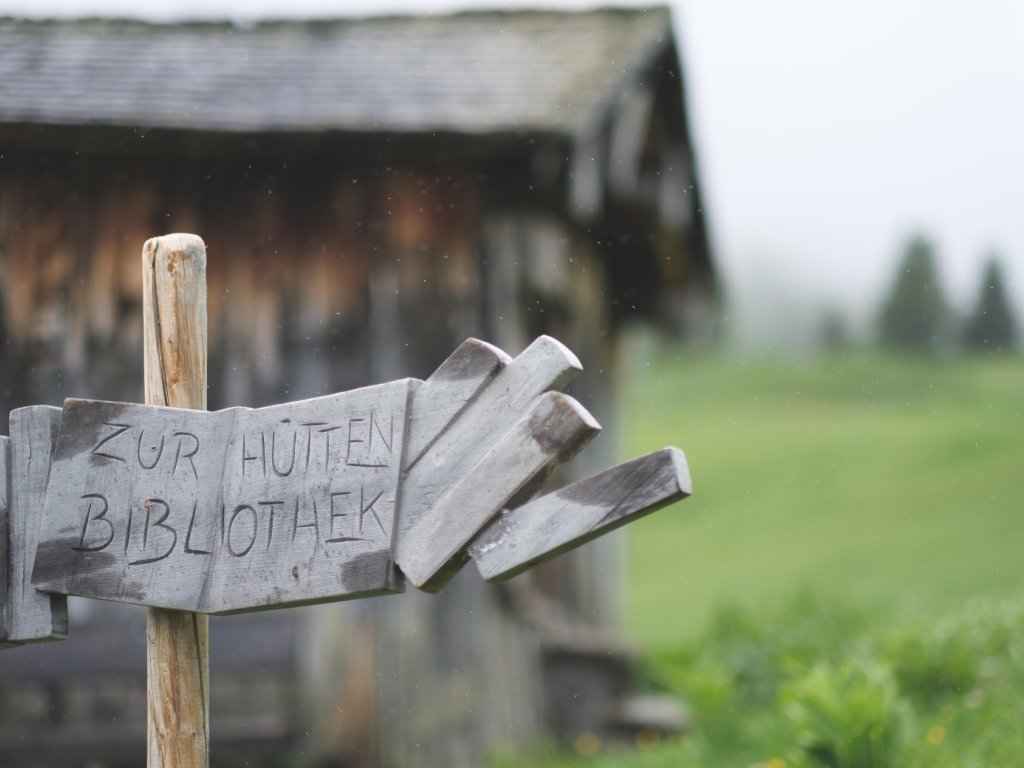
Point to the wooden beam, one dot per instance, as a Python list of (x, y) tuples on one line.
[(552, 431), (31, 616), (175, 344), (550, 525)]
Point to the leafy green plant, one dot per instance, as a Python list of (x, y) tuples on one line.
[(930, 666), (882, 709), (743, 658), (847, 716)]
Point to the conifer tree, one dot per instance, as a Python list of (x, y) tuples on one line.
[(991, 325), (915, 313)]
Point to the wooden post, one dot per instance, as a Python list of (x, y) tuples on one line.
[(177, 665)]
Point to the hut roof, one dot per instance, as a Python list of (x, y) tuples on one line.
[(473, 73)]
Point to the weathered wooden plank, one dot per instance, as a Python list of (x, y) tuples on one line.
[(338, 514), (5, 541), (439, 401), (227, 511), (550, 525), (545, 364), (32, 616), (553, 430)]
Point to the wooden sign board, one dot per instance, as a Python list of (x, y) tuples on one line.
[(229, 511), (27, 615), (336, 497)]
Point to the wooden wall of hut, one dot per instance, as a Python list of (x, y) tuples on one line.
[(328, 269)]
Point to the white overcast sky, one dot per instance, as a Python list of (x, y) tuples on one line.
[(826, 133)]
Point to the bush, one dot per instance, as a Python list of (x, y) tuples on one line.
[(821, 684), (934, 665)]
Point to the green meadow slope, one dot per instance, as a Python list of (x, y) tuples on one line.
[(887, 480)]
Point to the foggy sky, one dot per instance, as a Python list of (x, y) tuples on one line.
[(826, 134)]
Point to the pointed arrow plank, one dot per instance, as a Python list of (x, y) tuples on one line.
[(545, 364), (228, 511), (437, 403), (554, 429), (31, 616), (552, 524)]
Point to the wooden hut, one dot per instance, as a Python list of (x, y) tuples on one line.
[(371, 191)]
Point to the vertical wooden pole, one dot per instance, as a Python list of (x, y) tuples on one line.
[(174, 320)]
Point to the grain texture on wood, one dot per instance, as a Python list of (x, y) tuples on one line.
[(177, 689), (227, 511), (177, 643), (174, 320), (5, 540), (32, 616), (545, 364), (450, 389), (550, 525), (551, 431)]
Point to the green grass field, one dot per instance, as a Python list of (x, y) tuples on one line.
[(845, 587), (873, 479)]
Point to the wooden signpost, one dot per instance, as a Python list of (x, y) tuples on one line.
[(174, 368), (333, 498)]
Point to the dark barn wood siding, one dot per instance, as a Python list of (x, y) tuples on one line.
[(316, 270), (325, 273)]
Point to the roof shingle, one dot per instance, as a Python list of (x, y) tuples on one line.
[(469, 72)]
